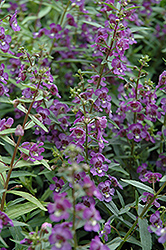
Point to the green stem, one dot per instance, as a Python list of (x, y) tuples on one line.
[(141, 215)]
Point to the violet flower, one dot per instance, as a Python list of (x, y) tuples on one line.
[(59, 209), (92, 217), (96, 244), (162, 233), (106, 191), (13, 22), (5, 221), (58, 184), (106, 230), (148, 197), (59, 237)]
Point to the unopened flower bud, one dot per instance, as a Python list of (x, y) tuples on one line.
[(19, 131)]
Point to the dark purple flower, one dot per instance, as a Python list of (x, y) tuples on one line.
[(13, 22), (135, 106), (106, 191), (96, 244), (44, 112), (3, 75), (95, 80), (118, 66), (151, 112), (88, 201), (5, 221), (59, 237), (34, 151), (162, 80), (92, 217), (78, 134), (152, 177), (64, 141), (54, 31), (114, 182), (137, 132), (99, 168), (58, 184), (70, 20), (148, 197), (59, 209)]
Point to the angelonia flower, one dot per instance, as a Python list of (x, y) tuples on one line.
[(13, 22), (4, 40), (19, 130), (105, 231), (58, 185), (5, 221), (96, 244), (148, 197), (91, 217), (59, 209), (6, 124), (60, 237), (34, 151), (162, 233), (106, 191)]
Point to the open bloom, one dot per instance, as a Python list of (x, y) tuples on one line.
[(96, 244), (13, 22), (5, 221), (34, 151)]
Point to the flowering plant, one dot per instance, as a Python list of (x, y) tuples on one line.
[(82, 125)]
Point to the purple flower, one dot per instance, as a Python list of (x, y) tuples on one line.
[(152, 177), (88, 201), (135, 106), (34, 151), (118, 66), (155, 221), (6, 124), (162, 233), (92, 217), (19, 130), (58, 209), (58, 184), (90, 188), (5, 221), (137, 132), (106, 191), (54, 31), (151, 112), (97, 161), (162, 79), (64, 141), (95, 80), (148, 197), (106, 230), (59, 237), (13, 22), (3, 76), (70, 20), (96, 244), (4, 40), (44, 227), (78, 134), (44, 112), (142, 170), (114, 182)]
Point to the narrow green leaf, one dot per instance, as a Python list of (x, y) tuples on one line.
[(7, 131), (21, 173), (163, 179), (3, 242), (28, 197), (139, 185), (7, 139), (144, 234), (44, 12), (29, 18), (17, 210), (34, 119)]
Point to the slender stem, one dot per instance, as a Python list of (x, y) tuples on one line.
[(16, 148), (141, 215)]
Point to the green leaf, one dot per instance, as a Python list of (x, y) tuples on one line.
[(139, 185), (44, 12), (114, 243), (93, 24), (34, 119), (27, 19), (163, 179), (28, 197), (110, 5), (3, 242), (21, 173), (119, 169), (18, 210), (7, 139), (7, 131), (144, 234)]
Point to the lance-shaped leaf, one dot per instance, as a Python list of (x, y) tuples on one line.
[(28, 197), (139, 185), (33, 118)]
